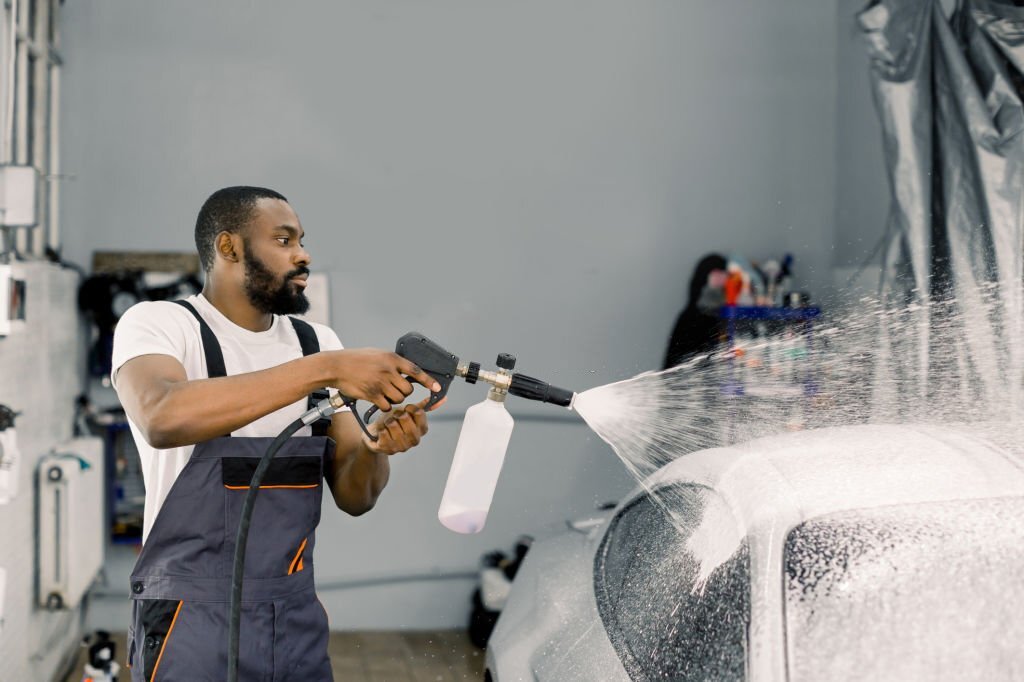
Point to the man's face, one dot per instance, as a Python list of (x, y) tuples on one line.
[(276, 263)]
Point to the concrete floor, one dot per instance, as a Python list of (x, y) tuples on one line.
[(442, 656)]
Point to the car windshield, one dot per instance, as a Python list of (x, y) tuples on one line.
[(664, 623), (926, 591)]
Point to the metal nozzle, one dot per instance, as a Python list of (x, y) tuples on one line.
[(500, 380), (517, 384)]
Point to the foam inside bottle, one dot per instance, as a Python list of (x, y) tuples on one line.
[(479, 455)]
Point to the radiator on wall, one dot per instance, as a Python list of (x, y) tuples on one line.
[(70, 522)]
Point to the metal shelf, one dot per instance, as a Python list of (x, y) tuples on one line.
[(768, 313)]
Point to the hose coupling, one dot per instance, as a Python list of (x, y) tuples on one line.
[(324, 409)]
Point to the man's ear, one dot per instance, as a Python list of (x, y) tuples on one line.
[(228, 246)]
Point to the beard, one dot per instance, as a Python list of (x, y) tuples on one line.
[(271, 295)]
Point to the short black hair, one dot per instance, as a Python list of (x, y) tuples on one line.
[(227, 210)]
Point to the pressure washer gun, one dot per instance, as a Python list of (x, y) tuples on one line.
[(444, 367), (486, 430)]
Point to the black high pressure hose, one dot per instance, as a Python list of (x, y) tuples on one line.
[(323, 409), (241, 538)]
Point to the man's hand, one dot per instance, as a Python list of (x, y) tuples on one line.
[(399, 430), (360, 468), (379, 377)]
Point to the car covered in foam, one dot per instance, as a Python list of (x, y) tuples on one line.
[(859, 552)]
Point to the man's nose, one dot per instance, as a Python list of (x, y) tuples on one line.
[(303, 257)]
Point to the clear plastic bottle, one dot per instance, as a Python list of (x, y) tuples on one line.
[(476, 465)]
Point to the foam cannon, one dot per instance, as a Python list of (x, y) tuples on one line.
[(486, 429)]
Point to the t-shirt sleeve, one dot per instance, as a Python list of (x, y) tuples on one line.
[(329, 341), (147, 328), (327, 338)]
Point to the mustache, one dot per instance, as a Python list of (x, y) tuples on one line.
[(302, 270)]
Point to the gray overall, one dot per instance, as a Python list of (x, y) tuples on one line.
[(181, 582)]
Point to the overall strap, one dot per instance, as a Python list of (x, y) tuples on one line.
[(310, 345), (211, 347)]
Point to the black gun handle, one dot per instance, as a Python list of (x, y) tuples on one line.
[(432, 359), (350, 403), (435, 398)]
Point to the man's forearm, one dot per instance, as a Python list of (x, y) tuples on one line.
[(359, 477), (189, 412)]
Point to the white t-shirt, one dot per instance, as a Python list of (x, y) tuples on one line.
[(166, 328)]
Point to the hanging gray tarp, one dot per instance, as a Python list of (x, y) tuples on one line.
[(948, 92)]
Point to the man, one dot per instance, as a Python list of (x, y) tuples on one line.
[(206, 383)]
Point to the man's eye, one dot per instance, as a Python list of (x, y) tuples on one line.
[(284, 240)]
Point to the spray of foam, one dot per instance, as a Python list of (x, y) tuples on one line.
[(921, 362)]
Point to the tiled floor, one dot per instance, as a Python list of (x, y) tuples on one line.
[(444, 656)]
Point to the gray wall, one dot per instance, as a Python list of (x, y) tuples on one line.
[(535, 177)]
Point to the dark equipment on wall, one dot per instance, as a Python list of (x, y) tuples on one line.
[(105, 297), (7, 417)]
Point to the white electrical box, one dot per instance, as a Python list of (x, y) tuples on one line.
[(19, 192)]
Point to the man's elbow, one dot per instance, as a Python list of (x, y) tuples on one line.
[(158, 421), (355, 507), (158, 438), (162, 433)]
